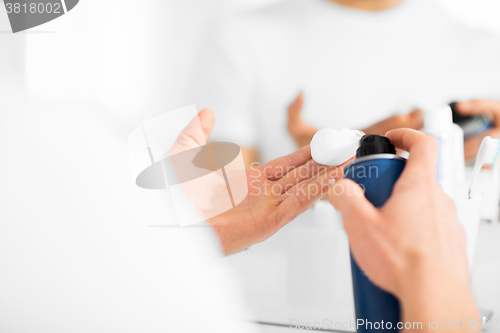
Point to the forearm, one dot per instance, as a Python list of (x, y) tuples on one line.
[(413, 120), (441, 304)]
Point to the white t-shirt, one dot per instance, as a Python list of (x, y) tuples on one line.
[(80, 250), (354, 67)]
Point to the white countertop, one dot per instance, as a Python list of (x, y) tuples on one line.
[(302, 274)]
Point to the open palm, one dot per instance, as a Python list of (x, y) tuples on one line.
[(278, 191)]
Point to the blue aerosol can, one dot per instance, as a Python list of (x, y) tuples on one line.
[(376, 169)]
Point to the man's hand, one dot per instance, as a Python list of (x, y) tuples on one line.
[(413, 120), (413, 246), (302, 133), (278, 191), (480, 107)]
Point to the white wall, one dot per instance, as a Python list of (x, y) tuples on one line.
[(135, 56), (134, 59), (11, 54), (479, 13)]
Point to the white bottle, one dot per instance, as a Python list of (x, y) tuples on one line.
[(439, 124), (458, 154)]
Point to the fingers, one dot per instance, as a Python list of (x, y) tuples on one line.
[(192, 131), (304, 172), (481, 107), (422, 148), (195, 134), (349, 198), (302, 196), (279, 167), (414, 119), (207, 120), (301, 132), (478, 106), (295, 109), (471, 145)]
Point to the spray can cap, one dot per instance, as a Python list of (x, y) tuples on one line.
[(374, 144)]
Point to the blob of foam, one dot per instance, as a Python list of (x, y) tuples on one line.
[(334, 147)]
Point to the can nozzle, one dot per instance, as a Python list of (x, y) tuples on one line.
[(374, 144)]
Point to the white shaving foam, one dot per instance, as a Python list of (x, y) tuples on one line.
[(334, 147)]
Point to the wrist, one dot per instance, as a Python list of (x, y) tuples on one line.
[(437, 294)]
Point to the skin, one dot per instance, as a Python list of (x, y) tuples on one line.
[(273, 199), (369, 5), (413, 246), (250, 156), (279, 190), (488, 108)]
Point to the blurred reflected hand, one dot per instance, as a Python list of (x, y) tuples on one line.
[(278, 191), (413, 246), (480, 107), (413, 120), (302, 133)]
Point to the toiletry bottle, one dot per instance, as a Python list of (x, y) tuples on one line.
[(458, 154), (439, 124), (376, 169)]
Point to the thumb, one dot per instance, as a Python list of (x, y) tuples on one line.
[(416, 119), (301, 132), (196, 133), (207, 120), (349, 198), (295, 108)]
